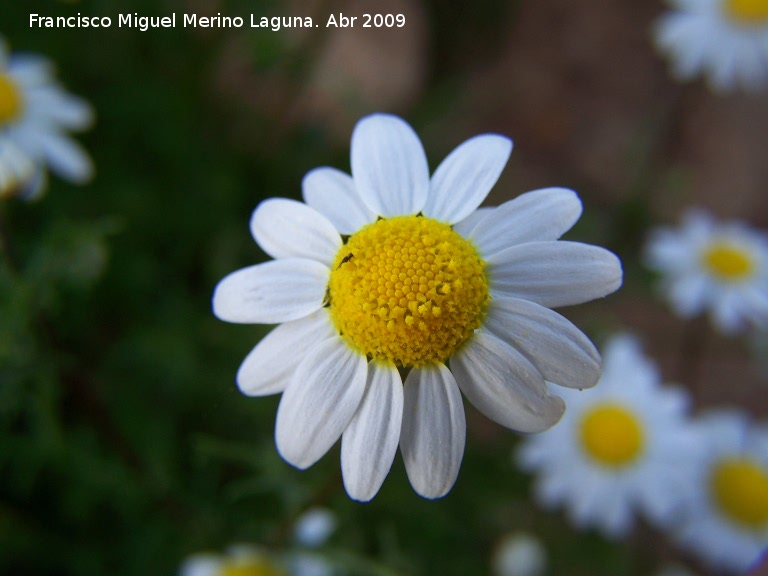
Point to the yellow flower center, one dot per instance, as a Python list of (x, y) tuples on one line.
[(740, 489), (407, 289), (11, 102), (250, 567), (727, 261), (611, 435), (748, 11)]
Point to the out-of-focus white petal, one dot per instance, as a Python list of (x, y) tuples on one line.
[(268, 367), (504, 385), (66, 157), (389, 166), (289, 229), (536, 216), (272, 292), (319, 402), (466, 176), (369, 443), (554, 273), (201, 565), (560, 351), (332, 193), (63, 109), (434, 430)]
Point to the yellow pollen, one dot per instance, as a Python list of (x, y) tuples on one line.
[(407, 289), (747, 11), (727, 262), (250, 567), (740, 489), (11, 102), (611, 435)]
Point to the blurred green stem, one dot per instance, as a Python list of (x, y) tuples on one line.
[(6, 242)]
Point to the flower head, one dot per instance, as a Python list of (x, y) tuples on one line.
[(620, 448), (35, 114), (726, 519), (727, 40), (389, 274), (238, 561), (719, 267), (519, 554)]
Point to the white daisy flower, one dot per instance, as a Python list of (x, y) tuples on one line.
[(314, 527), (387, 274), (719, 267), (35, 114), (620, 448), (240, 560), (726, 520), (726, 40), (519, 554)]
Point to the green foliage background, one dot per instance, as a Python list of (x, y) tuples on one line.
[(124, 444)]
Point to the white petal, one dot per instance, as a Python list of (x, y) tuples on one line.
[(66, 157), (504, 385), (289, 229), (31, 70), (369, 443), (319, 402), (466, 226), (466, 176), (389, 166), (434, 430), (560, 351), (61, 108), (268, 367), (332, 193), (201, 565), (534, 216), (555, 273), (272, 292)]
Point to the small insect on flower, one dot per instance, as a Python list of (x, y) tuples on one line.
[(346, 259), (35, 116), (384, 277)]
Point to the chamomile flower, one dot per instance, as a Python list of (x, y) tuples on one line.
[(238, 561), (387, 275), (726, 520), (719, 267), (620, 448), (519, 554), (726, 40), (35, 116)]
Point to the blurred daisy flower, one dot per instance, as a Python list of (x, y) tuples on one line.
[(719, 267), (240, 560), (620, 448), (385, 275), (35, 115), (519, 554), (727, 40), (726, 520), (314, 527)]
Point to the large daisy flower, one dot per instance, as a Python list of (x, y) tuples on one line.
[(727, 40), (726, 520), (719, 267), (35, 114), (385, 275), (621, 448)]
